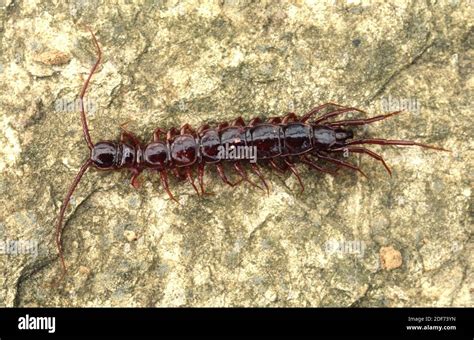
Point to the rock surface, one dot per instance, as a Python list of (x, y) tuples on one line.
[(167, 63)]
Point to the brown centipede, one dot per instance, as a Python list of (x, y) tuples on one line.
[(280, 142)]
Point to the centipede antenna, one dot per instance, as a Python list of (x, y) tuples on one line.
[(85, 128), (65, 204)]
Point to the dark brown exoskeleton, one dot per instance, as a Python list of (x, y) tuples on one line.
[(279, 142)]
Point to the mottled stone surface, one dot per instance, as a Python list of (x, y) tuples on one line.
[(169, 63)]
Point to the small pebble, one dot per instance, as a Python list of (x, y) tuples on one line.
[(390, 258), (130, 235)]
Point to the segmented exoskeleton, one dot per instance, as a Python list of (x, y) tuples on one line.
[(279, 142)]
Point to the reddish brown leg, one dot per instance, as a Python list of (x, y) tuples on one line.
[(327, 115), (363, 121), (256, 171), (164, 181), (306, 160), (134, 180), (291, 116), (241, 171), (186, 129), (189, 176), (255, 121), (220, 171), (238, 122), (341, 163), (295, 172), (201, 179), (335, 113), (128, 137), (274, 120), (157, 134), (276, 166), (392, 142), (372, 154), (178, 174), (202, 128), (222, 126), (171, 133)]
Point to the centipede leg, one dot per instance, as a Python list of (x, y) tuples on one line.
[(365, 121), (277, 167), (295, 172), (255, 121), (171, 134), (157, 134), (220, 171), (134, 180), (380, 141), (186, 129), (201, 179), (363, 150), (329, 114), (128, 137), (178, 174), (164, 182), (202, 128), (334, 114), (243, 174), (306, 160), (274, 120), (222, 126), (256, 171), (190, 178), (238, 122), (291, 116), (341, 163)]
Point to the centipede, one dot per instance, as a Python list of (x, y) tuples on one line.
[(280, 144)]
